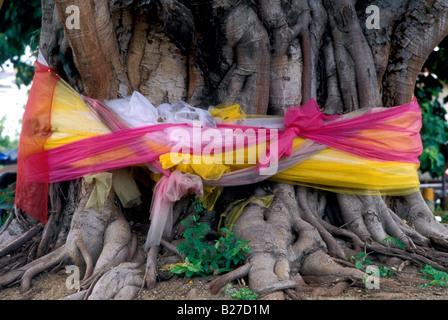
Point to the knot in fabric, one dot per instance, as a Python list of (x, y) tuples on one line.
[(298, 121)]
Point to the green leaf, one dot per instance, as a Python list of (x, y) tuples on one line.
[(395, 241), (179, 269), (226, 252), (6, 206), (439, 278), (214, 265), (358, 264)]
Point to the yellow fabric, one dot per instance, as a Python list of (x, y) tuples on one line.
[(336, 171), (185, 164), (227, 112), (71, 119), (236, 208), (100, 191), (123, 184), (125, 188), (329, 169), (213, 167), (211, 195)]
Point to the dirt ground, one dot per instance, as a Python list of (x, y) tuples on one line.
[(52, 286)]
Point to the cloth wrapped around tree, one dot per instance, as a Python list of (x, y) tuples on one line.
[(67, 136)]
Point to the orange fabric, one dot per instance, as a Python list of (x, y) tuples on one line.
[(36, 129)]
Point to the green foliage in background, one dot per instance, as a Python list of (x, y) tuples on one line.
[(6, 143), (434, 131), (20, 22), (7, 196)]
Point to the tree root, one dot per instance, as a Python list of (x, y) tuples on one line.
[(20, 241), (217, 284), (294, 239), (120, 283), (45, 263), (333, 291), (326, 280), (92, 280), (35, 266), (94, 258), (333, 247), (296, 244), (87, 258), (55, 197), (171, 248), (274, 287), (150, 278)]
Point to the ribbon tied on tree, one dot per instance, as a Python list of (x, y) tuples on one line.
[(67, 136)]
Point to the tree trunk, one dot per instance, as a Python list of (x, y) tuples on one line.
[(266, 56)]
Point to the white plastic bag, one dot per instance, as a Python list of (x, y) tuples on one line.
[(182, 112), (136, 110)]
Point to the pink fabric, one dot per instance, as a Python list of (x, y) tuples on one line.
[(115, 123), (389, 134), (381, 134), (168, 190), (88, 156)]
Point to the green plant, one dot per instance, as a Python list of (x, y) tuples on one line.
[(198, 206), (385, 271), (244, 294), (360, 260), (7, 196), (189, 268), (203, 259), (434, 132), (194, 247), (437, 277), (444, 219), (229, 252), (389, 239), (20, 23)]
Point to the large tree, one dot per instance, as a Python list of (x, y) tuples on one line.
[(266, 56)]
